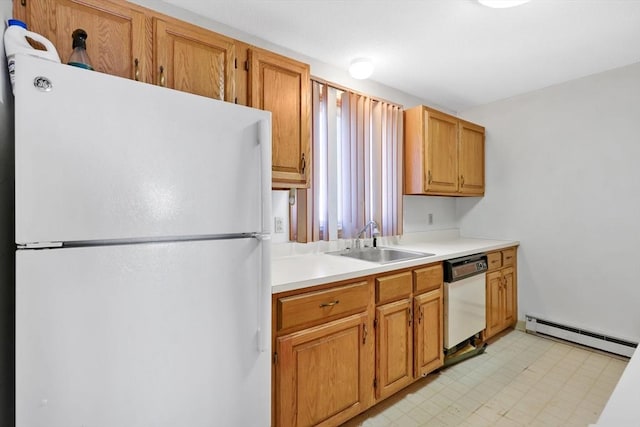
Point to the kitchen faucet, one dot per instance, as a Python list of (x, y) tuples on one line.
[(374, 233)]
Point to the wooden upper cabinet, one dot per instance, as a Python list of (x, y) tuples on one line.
[(441, 152), (471, 158), (444, 155), (129, 41), (192, 59), (116, 42), (282, 86)]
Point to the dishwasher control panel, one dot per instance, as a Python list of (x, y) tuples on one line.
[(461, 268)]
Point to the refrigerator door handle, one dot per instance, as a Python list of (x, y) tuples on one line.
[(264, 293)]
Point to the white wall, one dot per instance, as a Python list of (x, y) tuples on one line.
[(7, 294), (280, 207), (416, 210), (563, 177)]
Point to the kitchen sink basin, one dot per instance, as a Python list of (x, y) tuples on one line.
[(381, 255)]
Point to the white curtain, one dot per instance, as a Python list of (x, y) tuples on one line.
[(357, 149)]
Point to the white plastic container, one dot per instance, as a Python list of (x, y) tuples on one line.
[(15, 42)]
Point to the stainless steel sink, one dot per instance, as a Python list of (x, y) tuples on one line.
[(381, 255)]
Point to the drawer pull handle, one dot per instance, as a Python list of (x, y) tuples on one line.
[(329, 304)]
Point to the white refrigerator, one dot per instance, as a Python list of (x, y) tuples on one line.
[(142, 228)]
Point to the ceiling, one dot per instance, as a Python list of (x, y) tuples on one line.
[(454, 53)]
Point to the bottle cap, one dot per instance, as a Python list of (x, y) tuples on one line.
[(79, 38), (17, 22)]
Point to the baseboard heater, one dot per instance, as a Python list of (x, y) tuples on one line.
[(580, 336)]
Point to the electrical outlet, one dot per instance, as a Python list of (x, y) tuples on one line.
[(278, 225), (430, 219)]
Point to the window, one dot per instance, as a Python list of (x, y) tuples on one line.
[(357, 164)]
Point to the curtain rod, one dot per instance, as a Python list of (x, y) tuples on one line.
[(346, 89)]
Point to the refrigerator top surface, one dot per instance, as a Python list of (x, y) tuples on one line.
[(99, 157)]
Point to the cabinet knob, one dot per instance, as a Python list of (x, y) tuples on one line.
[(162, 78), (136, 69)]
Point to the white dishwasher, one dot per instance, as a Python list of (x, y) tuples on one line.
[(464, 299)]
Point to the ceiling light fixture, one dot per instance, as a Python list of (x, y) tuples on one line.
[(361, 68), (501, 4)]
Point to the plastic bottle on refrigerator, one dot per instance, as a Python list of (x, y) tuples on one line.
[(79, 56), (15, 42)]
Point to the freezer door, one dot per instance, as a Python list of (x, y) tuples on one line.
[(160, 334), (100, 157)]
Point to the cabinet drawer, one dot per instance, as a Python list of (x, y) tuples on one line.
[(494, 259), (310, 307), (393, 287), (508, 257), (427, 278)]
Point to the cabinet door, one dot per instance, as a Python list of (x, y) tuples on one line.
[(442, 152), (192, 59), (471, 158), (394, 356), (509, 315), (323, 375), (494, 303), (116, 42), (428, 330), (281, 85)]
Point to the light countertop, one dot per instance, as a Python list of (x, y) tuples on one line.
[(622, 409), (297, 271)]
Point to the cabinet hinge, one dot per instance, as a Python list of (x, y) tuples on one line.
[(23, 2), (246, 65), (375, 323), (235, 101), (275, 358), (375, 383), (235, 63)]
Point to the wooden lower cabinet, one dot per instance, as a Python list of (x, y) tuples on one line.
[(323, 375), (428, 328), (501, 292), (500, 301), (341, 348), (394, 342)]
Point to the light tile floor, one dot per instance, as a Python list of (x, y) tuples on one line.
[(520, 380)]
